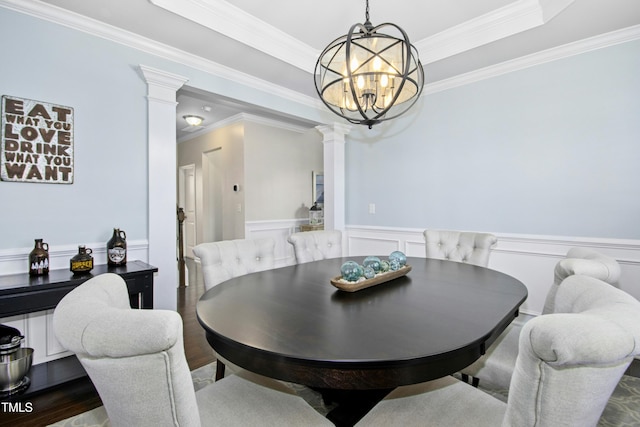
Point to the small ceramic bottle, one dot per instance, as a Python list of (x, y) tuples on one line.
[(82, 262), (39, 259), (117, 248)]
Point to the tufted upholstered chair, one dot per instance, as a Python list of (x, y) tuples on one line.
[(586, 262), (316, 245), (227, 259), (495, 367), (135, 359), (461, 246), (568, 365)]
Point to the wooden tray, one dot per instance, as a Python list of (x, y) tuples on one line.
[(367, 283)]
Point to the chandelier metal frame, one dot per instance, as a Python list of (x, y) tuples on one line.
[(367, 76)]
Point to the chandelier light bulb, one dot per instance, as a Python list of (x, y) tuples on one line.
[(384, 80), (354, 64), (377, 64)]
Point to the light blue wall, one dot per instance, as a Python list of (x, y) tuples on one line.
[(552, 150), (50, 63), (101, 81)]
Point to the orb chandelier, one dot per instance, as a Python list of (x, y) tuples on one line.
[(367, 76)]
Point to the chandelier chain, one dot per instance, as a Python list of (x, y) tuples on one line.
[(366, 13)]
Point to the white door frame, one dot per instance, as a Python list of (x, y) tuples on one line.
[(186, 180)]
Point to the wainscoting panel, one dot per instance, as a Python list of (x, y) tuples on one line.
[(530, 259), (38, 334)]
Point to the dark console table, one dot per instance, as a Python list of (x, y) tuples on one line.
[(21, 294)]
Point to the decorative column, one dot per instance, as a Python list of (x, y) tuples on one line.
[(162, 185), (334, 175)]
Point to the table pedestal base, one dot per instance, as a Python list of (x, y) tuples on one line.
[(352, 405)]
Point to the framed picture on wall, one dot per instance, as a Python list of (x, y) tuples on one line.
[(317, 187), (36, 142)]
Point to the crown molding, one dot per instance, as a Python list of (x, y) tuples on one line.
[(81, 23), (233, 22), (96, 28), (265, 121), (506, 21), (576, 48), (244, 117)]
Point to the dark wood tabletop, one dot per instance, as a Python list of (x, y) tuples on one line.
[(291, 324)]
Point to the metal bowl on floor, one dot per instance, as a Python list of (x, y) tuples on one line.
[(14, 368)]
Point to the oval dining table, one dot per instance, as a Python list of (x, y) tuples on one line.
[(292, 324)]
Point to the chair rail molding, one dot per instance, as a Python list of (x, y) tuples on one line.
[(529, 258)]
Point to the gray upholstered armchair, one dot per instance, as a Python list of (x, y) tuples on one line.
[(227, 259), (460, 246), (568, 365), (586, 262), (136, 360), (495, 367), (316, 245)]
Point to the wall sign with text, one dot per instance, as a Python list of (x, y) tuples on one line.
[(37, 141)]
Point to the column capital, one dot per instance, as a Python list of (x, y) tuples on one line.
[(161, 85), (334, 132)]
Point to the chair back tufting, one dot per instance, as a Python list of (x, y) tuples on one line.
[(227, 259), (460, 246), (316, 245), (586, 262)]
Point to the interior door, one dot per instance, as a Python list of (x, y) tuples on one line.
[(187, 196)]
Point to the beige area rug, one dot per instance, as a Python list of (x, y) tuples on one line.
[(623, 409), (201, 378)]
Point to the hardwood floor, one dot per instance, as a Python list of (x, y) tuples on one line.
[(197, 349), (81, 396)]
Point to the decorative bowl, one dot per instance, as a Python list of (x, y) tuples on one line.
[(14, 367)]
